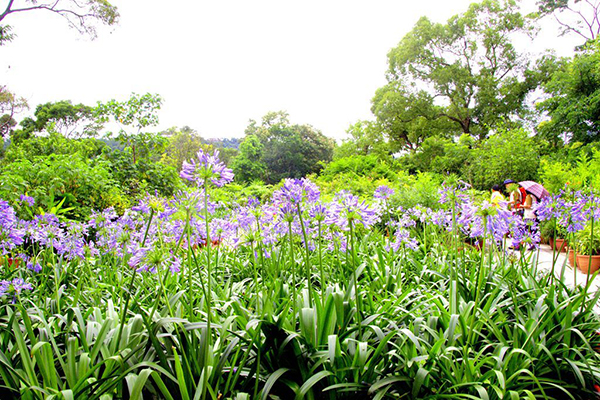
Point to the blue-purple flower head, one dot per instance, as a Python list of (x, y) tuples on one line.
[(456, 193), (148, 259), (572, 211), (294, 191), (402, 239), (17, 285), (347, 208), (30, 201), (253, 202), (206, 167), (11, 235), (383, 192), (318, 211)]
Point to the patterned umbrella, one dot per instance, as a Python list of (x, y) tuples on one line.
[(535, 188)]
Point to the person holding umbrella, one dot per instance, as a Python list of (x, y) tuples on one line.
[(527, 206), (516, 196), (534, 193), (535, 189)]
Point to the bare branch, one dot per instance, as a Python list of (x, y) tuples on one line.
[(80, 15)]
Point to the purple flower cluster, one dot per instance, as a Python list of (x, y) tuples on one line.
[(11, 234), (571, 210), (383, 192), (206, 167), (16, 286), (294, 191), (29, 201), (295, 208)]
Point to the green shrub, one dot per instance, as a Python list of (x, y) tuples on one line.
[(84, 184), (421, 189), (361, 166), (145, 175), (579, 168), (54, 143), (507, 154)]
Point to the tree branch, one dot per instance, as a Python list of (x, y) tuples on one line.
[(7, 11)]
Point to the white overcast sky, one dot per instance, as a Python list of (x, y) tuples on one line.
[(218, 64)]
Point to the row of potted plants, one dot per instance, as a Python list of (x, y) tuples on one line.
[(583, 247)]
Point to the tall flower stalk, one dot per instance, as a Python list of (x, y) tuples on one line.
[(128, 293), (205, 170)]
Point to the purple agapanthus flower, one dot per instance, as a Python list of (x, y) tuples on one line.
[(296, 190), (318, 211), (383, 192), (17, 285), (348, 208), (30, 201), (11, 234), (206, 167), (35, 267), (402, 239)]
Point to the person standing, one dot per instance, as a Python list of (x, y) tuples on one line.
[(497, 199), (527, 206), (515, 200)]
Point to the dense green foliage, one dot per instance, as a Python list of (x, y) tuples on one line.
[(276, 149), (84, 185), (574, 99), (507, 154)]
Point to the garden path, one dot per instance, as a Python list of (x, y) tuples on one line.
[(571, 277)]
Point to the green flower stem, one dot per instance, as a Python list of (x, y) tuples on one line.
[(293, 268), (255, 271), (480, 273), (208, 288), (306, 257), (128, 293), (322, 271), (354, 269), (587, 278)]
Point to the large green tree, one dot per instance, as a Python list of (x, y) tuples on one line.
[(365, 138), (248, 165), (183, 144), (82, 15), (288, 151), (573, 101), (461, 77), (66, 118)]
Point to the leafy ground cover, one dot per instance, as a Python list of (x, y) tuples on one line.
[(187, 298)]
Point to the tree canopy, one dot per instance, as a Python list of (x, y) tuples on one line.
[(10, 105), (460, 77), (72, 120), (285, 150), (573, 102)]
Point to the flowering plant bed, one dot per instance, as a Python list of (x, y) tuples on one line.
[(298, 297)]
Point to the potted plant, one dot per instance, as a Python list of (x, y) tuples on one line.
[(556, 234), (547, 231), (588, 249)]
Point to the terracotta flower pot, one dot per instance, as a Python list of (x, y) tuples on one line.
[(11, 262), (572, 258), (560, 245), (583, 262)]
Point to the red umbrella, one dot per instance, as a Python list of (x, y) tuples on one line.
[(535, 189)]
